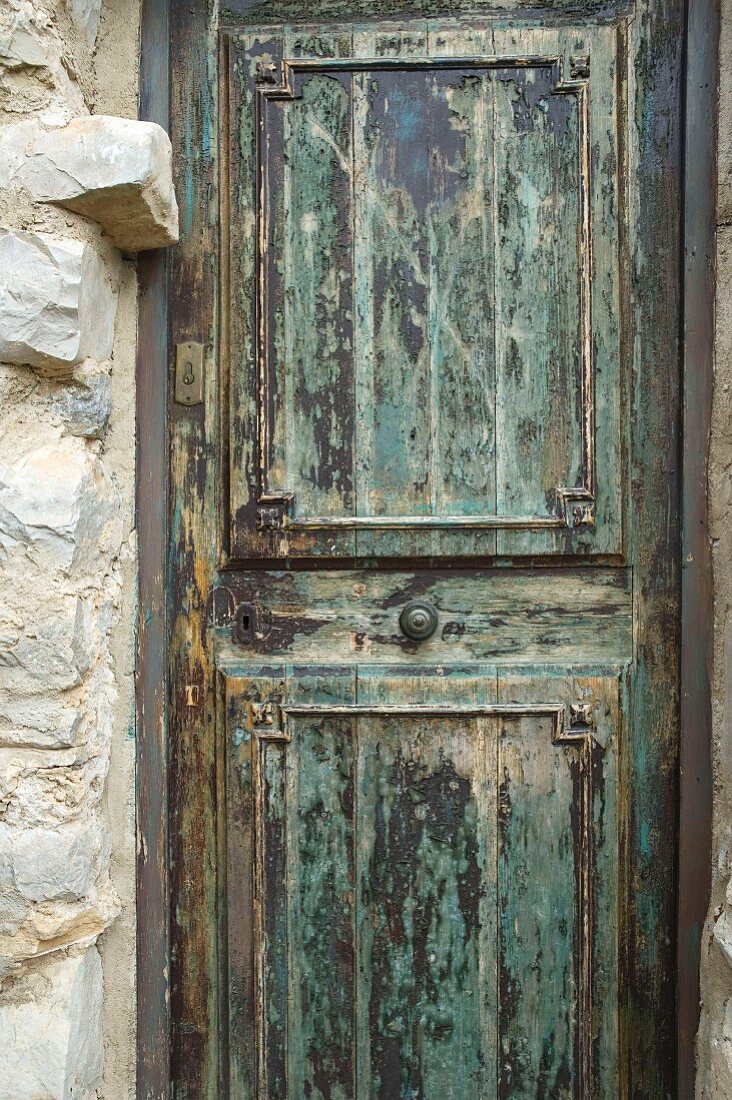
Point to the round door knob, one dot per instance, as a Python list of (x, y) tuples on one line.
[(418, 620)]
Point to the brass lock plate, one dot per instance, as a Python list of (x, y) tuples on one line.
[(189, 373)]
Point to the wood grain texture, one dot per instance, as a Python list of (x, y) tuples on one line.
[(538, 324), (696, 784), (425, 372), (267, 12), (152, 716), (483, 615), (435, 929), (194, 934), (655, 52), (417, 779)]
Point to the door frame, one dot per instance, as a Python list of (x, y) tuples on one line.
[(152, 687)]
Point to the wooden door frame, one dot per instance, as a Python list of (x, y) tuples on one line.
[(695, 775)]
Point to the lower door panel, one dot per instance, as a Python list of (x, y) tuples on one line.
[(422, 881)]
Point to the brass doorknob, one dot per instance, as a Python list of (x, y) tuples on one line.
[(418, 620)]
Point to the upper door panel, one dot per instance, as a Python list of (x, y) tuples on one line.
[(422, 326)]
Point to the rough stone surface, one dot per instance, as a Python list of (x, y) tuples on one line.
[(85, 14), (56, 302), (51, 1028), (59, 533), (40, 73), (67, 582), (58, 507), (714, 1044), (723, 929), (115, 170), (720, 1061), (724, 161), (86, 405)]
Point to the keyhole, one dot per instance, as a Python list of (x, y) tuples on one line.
[(188, 374), (245, 626)]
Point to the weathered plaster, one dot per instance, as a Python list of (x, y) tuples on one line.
[(714, 1048), (116, 88), (67, 734)]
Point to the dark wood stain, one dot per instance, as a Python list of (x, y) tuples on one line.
[(367, 898), (695, 762), (153, 946)]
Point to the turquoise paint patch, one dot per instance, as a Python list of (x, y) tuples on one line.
[(645, 839), (188, 204)]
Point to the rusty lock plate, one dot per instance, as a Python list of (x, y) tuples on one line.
[(189, 373)]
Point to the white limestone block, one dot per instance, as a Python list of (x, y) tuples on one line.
[(55, 889), (86, 405), (16, 142), (51, 1043), (59, 864), (38, 789), (117, 171), (723, 926), (721, 1055), (41, 720), (37, 77), (58, 505), (57, 306), (52, 650), (22, 32), (85, 14)]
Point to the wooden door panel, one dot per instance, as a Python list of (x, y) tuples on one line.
[(536, 616), (438, 291), (424, 303), (428, 855), (434, 265)]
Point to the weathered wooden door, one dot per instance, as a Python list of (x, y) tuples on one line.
[(424, 553)]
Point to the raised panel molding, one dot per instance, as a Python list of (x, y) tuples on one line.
[(269, 514), (272, 723), (573, 506)]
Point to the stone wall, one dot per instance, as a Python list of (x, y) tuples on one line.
[(81, 188), (714, 1079)]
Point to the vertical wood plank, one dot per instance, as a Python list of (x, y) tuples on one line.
[(391, 358), (239, 749), (239, 237), (537, 921), (696, 793), (193, 478), (151, 727), (420, 936), (462, 280), (316, 359), (656, 40), (609, 715), (321, 888), (426, 890), (272, 903), (606, 47), (461, 294), (538, 308), (395, 149), (560, 912)]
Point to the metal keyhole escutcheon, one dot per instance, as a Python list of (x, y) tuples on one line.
[(418, 620)]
